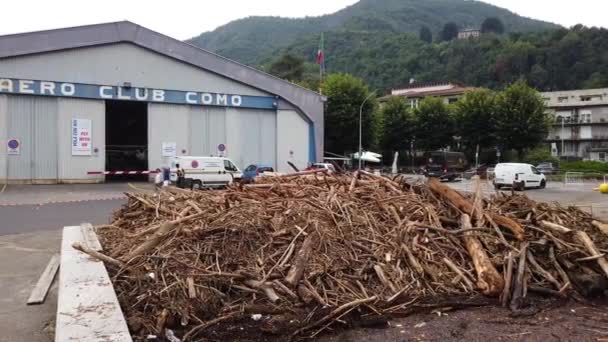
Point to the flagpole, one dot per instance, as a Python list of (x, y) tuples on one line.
[(321, 61)]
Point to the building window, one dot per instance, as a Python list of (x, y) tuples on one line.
[(587, 98), (602, 156), (585, 116), (452, 100), (562, 99)]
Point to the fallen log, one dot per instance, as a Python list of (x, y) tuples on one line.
[(592, 249), (152, 241), (506, 293), (98, 255), (520, 279), (603, 227), (462, 204), (297, 269), (489, 281), (555, 227)]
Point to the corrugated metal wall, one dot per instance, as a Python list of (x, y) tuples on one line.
[(75, 168), (167, 123), (207, 130), (292, 140), (257, 131), (20, 122), (45, 168), (33, 120), (118, 63), (3, 139)]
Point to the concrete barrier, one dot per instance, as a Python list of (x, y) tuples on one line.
[(87, 307)]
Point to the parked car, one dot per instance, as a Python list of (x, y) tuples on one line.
[(519, 176), (483, 171), (546, 168), (444, 165), (255, 170), (204, 172)]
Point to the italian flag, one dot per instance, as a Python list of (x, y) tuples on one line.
[(321, 56)]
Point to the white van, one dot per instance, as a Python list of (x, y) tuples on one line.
[(205, 172), (519, 176)]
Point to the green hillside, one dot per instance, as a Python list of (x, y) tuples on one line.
[(255, 40), (550, 60)]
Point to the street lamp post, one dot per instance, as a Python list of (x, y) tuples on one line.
[(562, 136), (360, 126)]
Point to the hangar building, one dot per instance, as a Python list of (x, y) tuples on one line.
[(120, 97)]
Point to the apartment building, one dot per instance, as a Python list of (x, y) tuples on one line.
[(580, 129), (469, 33), (414, 92)]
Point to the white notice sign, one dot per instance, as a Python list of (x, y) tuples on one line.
[(169, 149), (81, 137)]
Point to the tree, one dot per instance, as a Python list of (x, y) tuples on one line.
[(345, 94), (288, 67), (425, 34), (397, 126), (474, 114), (539, 155), (434, 124), (492, 24), (521, 121), (449, 32)]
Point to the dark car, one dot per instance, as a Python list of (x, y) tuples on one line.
[(444, 165), (255, 170), (546, 168)]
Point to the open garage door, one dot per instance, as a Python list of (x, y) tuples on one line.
[(126, 139)]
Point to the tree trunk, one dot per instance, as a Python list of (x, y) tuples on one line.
[(489, 281)]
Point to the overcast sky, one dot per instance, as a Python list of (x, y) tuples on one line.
[(184, 19)]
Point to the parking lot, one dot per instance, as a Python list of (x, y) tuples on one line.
[(580, 195)]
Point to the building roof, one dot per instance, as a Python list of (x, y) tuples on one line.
[(124, 31), (420, 90), (572, 98)]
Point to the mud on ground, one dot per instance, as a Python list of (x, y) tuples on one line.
[(545, 320)]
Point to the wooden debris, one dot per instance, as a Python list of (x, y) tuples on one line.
[(603, 227), (44, 282), (489, 281), (592, 249), (97, 255), (318, 246), (556, 227), (297, 269)]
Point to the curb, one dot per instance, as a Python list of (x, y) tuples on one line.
[(62, 201)]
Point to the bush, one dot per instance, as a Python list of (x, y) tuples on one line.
[(585, 166), (539, 155)]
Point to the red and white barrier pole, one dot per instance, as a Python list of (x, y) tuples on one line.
[(121, 172)]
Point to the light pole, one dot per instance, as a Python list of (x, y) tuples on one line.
[(360, 126), (562, 136)]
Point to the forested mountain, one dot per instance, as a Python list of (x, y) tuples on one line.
[(550, 60), (255, 40)]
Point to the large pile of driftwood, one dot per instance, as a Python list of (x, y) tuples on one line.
[(300, 254)]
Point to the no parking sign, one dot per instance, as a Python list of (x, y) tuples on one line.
[(13, 147), (221, 149)]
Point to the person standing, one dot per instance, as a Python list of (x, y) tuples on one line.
[(180, 176)]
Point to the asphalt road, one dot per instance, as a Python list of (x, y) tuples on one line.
[(28, 218)]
